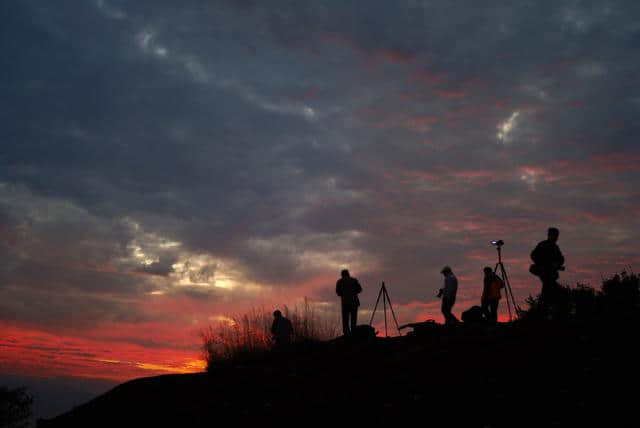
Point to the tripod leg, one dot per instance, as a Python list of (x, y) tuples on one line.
[(384, 305), (392, 312), (376, 306), (510, 291), (504, 279), (501, 274)]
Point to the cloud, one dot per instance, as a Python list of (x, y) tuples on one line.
[(164, 161), (110, 11), (505, 128)]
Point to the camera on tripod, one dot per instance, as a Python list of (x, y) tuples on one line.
[(501, 272)]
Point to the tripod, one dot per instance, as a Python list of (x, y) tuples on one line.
[(505, 279), (385, 298)]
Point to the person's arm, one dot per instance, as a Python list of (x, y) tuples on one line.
[(358, 287), (535, 254), (338, 288)]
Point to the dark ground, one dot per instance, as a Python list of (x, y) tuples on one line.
[(52, 396), (509, 375)]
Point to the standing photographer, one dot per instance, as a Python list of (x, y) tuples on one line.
[(491, 295), (448, 295), (548, 260), (348, 288)]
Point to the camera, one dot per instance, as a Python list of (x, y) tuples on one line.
[(439, 295), (498, 243)]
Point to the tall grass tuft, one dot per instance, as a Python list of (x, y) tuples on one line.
[(248, 335)]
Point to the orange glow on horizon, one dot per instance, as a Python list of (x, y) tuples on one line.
[(34, 352)]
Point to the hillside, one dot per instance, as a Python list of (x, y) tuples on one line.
[(509, 375)]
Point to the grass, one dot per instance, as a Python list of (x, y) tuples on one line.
[(248, 335)]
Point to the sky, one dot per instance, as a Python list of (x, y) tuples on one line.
[(166, 165)]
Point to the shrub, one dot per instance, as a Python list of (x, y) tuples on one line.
[(620, 294), (618, 297)]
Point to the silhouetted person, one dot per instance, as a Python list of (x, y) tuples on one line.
[(548, 260), (348, 289), (490, 299), (281, 329), (448, 295)]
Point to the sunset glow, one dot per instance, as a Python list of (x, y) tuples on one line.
[(168, 166)]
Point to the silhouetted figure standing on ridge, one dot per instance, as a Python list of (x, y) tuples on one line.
[(348, 289), (281, 329), (548, 260), (490, 299), (448, 295)]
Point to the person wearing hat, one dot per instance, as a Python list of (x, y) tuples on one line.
[(448, 295)]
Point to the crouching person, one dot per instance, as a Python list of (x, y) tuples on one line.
[(281, 329)]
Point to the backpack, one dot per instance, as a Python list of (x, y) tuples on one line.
[(363, 332), (473, 315), (534, 270)]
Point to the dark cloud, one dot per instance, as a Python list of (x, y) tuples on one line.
[(162, 267), (150, 146)]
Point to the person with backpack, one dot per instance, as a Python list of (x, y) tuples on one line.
[(490, 299), (348, 289), (548, 261), (281, 329)]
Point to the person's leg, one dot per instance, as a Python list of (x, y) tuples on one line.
[(547, 297), (493, 307), (486, 311), (560, 303), (452, 317), (444, 308), (447, 305), (354, 317), (345, 319)]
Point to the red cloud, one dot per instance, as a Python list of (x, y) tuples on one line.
[(35, 352), (125, 350)]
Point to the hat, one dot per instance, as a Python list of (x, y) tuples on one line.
[(445, 269)]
